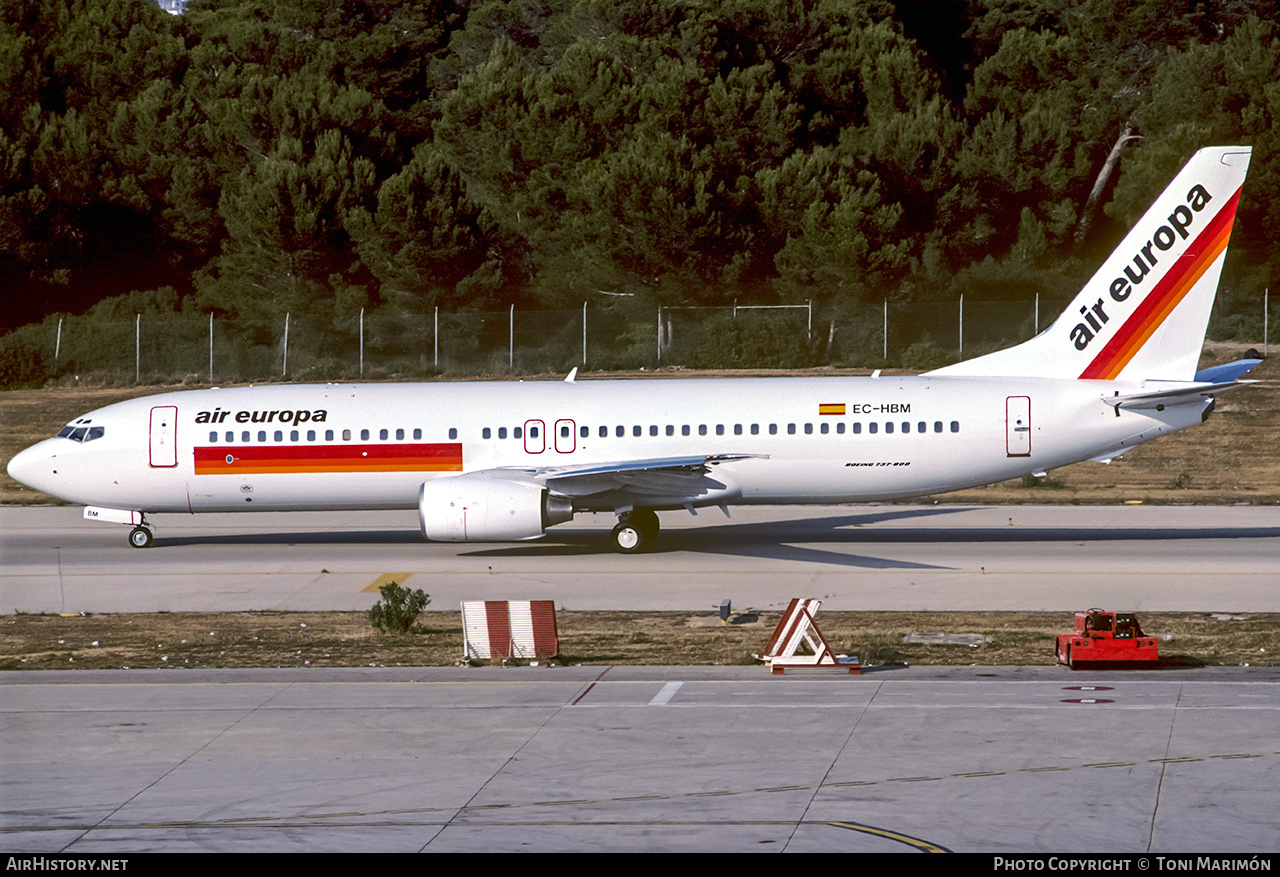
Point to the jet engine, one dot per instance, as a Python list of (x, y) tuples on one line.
[(480, 507)]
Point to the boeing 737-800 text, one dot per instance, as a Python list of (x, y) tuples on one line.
[(504, 461)]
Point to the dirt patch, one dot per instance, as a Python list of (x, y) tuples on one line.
[(345, 639)]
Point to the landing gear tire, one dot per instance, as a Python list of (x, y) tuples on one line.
[(140, 537), (629, 539)]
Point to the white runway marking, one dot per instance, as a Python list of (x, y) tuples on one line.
[(668, 691)]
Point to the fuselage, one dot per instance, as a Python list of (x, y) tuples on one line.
[(371, 446)]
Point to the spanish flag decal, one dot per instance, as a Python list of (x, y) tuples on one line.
[(836, 408)]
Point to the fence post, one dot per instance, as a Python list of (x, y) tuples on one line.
[(137, 350), (436, 338), (962, 325), (210, 347), (886, 330), (659, 334), (57, 345), (511, 339), (362, 342), (584, 334), (284, 369)]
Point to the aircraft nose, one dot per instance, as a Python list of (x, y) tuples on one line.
[(33, 467)]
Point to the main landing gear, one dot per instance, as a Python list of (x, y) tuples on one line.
[(140, 537), (635, 531)]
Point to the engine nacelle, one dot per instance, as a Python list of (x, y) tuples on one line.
[(482, 508)]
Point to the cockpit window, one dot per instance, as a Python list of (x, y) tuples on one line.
[(83, 432)]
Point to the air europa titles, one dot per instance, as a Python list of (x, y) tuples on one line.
[(217, 415), (1147, 257)]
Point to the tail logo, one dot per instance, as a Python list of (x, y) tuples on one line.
[(1169, 289)]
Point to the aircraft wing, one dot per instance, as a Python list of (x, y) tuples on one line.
[(686, 477)]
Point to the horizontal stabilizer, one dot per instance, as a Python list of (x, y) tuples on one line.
[(1228, 371), (1182, 395)]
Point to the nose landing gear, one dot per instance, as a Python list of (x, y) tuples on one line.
[(140, 537)]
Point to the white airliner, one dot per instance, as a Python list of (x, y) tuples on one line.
[(504, 461)]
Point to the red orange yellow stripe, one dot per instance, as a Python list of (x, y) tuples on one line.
[(284, 459), (1151, 313)]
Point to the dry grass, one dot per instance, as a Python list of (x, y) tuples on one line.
[(345, 639)]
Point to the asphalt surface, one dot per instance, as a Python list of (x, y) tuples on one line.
[(641, 759), (890, 557), (973, 759)]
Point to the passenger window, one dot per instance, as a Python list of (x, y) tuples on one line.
[(719, 429), (383, 434), (485, 433), (671, 430), (262, 435), (293, 435), (702, 429), (604, 432), (872, 427), (278, 435), (328, 435), (213, 436), (637, 430), (364, 435), (417, 433), (453, 432), (906, 427), (755, 429), (937, 426), (955, 426), (653, 429), (229, 437), (922, 427), (825, 428), (311, 435), (517, 432), (888, 427), (620, 431), (584, 432), (737, 429), (684, 430), (773, 429), (244, 436), (564, 432), (502, 432), (840, 428), (791, 429), (346, 435), (399, 435)]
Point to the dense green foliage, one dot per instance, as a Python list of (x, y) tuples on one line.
[(398, 609), (317, 157)]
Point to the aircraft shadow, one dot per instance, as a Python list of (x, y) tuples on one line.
[(797, 540)]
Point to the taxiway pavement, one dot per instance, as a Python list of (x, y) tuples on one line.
[(641, 759), (888, 557)]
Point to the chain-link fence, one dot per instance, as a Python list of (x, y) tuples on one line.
[(386, 344)]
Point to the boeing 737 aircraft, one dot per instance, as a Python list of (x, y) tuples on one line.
[(505, 461)]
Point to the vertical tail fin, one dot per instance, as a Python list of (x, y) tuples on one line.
[(1144, 313)]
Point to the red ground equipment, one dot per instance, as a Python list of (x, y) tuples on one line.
[(1105, 637)]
